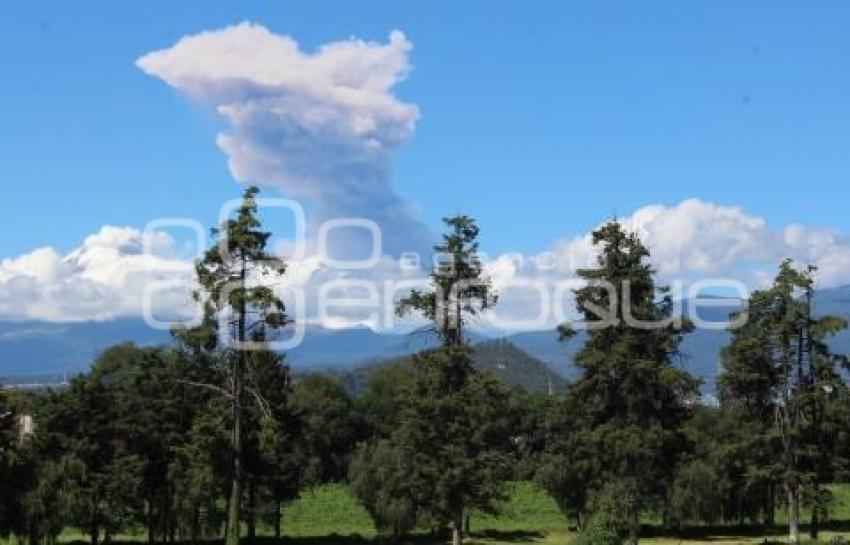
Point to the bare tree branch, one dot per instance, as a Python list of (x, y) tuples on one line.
[(212, 387), (262, 403)]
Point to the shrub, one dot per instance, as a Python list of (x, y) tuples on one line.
[(377, 481), (597, 535)]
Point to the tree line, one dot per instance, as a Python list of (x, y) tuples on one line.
[(210, 437)]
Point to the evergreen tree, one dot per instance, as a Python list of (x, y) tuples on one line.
[(567, 463), (330, 427), (630, 401), (456, 441), (202, 469), (12, 482), (779, 370), (725, 477), (231, 292), (379, 479), (453, 429), (86, 429), (277, 462), (459, 288)]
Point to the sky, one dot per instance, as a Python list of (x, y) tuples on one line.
[(725, 122)]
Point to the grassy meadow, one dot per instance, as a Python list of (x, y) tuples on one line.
[(329, 515)]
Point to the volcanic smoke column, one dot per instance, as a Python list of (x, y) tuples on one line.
[(322, 127)]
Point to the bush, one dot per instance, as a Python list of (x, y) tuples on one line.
[(378, 482), (596, 535)]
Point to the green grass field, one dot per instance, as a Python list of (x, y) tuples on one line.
[(529, 516), (329, 515)]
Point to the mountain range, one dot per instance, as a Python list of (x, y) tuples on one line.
[(46, 352)]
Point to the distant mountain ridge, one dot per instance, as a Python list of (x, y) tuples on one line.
[(700, 349), (500, 357), (45, 348), (30, 350)]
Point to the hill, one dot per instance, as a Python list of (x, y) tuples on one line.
[(508, 363)]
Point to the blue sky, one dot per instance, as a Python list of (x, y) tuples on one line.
[(541, 119)]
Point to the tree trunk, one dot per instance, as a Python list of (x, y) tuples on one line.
[(457, 529), (196, 525), (814, 526), (252, 504), (235, 504), (226, 521), (277, 521), (466, 525), (234, 512), (793, 515), (94, 534), (770, 507), (150, 522), (633, 530)]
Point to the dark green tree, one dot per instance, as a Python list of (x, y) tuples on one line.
[(732, 459), (780, 372), (233, 295), (383, 397), (330, 427), (13, 481), (201, 470), (379, 479), (87, 427), (631, 400), (567, 462), (275, 461), (452, 432), (456, 441)]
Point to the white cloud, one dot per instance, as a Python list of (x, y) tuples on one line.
[(696, 239), (824, 248), (689, 241), (106, 276), (320, 126)]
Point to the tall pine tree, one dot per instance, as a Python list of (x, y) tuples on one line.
[(780, 372), (630, 401), (230, 288), (453, 430)]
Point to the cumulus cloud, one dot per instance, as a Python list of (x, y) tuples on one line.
[(104, 278), (695, 239), (322, 126), (690, 241)]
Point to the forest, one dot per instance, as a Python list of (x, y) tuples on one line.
[(212, 439)]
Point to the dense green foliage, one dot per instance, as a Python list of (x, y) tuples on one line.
[(448, 451), (620, 436), (782, 380), (240, 313)]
